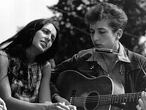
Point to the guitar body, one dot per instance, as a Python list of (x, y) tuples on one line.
[(73, 84)]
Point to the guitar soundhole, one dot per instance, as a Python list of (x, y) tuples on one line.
[(91, 101)]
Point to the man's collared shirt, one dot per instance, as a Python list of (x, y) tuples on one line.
[(95, 65)]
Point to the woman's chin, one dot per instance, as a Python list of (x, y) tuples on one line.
[(41, 50)]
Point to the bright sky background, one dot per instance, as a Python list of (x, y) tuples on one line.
[(16, 13)]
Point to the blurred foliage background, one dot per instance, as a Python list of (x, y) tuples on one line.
[(74, 35)]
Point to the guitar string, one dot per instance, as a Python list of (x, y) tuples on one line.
[(122, 95), (133, 96)]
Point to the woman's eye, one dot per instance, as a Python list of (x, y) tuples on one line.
[(53, 38), (46, 31)]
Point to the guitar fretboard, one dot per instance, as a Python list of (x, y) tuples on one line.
[(120, 98), (106, 99)]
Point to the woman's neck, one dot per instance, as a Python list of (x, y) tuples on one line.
[(30, 55)]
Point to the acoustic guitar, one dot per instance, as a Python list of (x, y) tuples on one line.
[(93, 93)]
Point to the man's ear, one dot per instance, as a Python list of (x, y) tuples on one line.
[(119, 34)]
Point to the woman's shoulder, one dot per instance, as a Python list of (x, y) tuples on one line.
[(3, 64), (3, 53), (3, 56)]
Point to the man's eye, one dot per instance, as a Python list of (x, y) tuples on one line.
[(92, 31), (102, 32)]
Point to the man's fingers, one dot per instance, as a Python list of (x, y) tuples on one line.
[(140, 103), (138, 107), (143, 96)]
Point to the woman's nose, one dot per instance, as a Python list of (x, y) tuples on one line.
[(48, 38)]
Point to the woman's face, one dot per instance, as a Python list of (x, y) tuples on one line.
[(44, 37)]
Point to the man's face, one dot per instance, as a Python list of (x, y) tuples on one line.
[(102, 35)]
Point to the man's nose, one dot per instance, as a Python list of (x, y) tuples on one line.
[(95, 37)]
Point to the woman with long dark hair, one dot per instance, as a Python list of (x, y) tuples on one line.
[(25, 70)]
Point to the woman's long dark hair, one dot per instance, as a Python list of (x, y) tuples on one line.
[(18, 44)]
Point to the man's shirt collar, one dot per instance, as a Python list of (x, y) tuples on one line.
[(122, 55)]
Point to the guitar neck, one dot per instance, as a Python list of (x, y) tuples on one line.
[(120, 98), (106, 99)]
